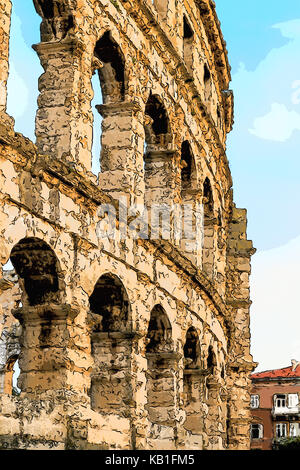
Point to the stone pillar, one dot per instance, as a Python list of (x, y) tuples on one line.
[(46, 360), (162, 399), (159, 177), (5, 13), (194, 396), (160, 190), (238, 406), (114, 390), (64, 119), (9, 344), (241, 364), (122, 144), (192, 245), (215, 421), (209, 246)]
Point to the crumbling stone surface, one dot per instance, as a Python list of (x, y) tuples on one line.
[(123, 343)]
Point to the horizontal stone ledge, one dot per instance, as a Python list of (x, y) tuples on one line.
[(49, 312), (159, 154), (120, 107), (198, 372), (59, 46), (241, 366), (102, 335), (163, 355)]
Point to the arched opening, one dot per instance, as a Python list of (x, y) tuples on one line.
[(211, 360), (43, 316), (111, 69), (188, 40), (193, 383), (97, 125), (37, 267), (109, 303), (188, 168), (156, 122), (108, 72), (192, 350), (191, 209), (207, 82), (161, 387), (158, 158), (111, 343), (159, 334), (209, 230), (57, 16)]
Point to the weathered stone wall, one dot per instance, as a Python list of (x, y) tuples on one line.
[(125, 343)]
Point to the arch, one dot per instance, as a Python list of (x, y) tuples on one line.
[(57, 17), (111, 68), (193, 386), (192, 350), (109, 64), (111, 345), (38, 269), (211, 361), (188, 43), (188, 167), (157, 120), (161, 361), (158, 158), (110, 304), (209, 230), (159, 334)]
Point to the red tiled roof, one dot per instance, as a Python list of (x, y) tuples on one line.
[(276, 373)]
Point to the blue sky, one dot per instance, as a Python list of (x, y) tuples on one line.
[(263, 42)]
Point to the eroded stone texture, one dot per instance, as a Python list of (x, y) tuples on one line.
[(123, 343)]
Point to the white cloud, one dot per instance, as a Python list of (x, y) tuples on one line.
[(275, 313), (289, 29), (273, 85), (277, 125)]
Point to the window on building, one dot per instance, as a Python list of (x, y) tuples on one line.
[(257, 431), (254, 402), (281, 430), (280, 401), (294, 429), (293, 400)]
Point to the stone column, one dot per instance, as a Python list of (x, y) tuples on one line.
[(241, 364), (5, 13), (64, 117), (192, 245), (209, 246), (46, 361), (122, 145), (8, 344), (194, 396), (159, 177), (238, 406), (114, 389), (215, 421), (162, 399)]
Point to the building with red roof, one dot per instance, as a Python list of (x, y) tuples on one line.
[(275, 406)]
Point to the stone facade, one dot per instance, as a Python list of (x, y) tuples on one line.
[(123, 343)]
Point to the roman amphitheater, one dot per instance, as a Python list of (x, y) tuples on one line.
[(123, 342)]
